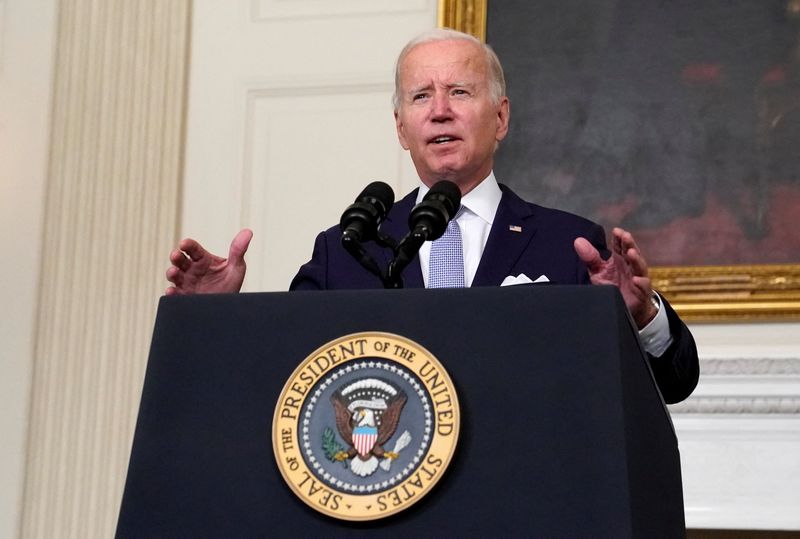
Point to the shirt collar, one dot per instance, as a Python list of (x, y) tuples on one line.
[(483, 200)]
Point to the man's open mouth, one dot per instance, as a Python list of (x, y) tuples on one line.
[(444, 139)]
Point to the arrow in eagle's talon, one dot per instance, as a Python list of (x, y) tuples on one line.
[(399, 445)]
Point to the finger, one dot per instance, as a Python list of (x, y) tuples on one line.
[(180, 260), (239, 246), (192, 249), (636, 262), (616, 241), (588, 254), (174, 275), (644, 284), (633, 255), (175, 291), (626, 239)]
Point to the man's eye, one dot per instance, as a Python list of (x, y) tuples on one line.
[(459, 91), (417, 97)]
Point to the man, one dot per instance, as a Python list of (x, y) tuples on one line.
[(451, 112)]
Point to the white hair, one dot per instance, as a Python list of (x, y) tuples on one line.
[(494, 71)]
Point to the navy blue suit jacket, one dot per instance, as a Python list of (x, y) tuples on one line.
[(525, 238)]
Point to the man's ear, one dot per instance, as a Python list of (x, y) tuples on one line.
[(503, 114), (398, 122)]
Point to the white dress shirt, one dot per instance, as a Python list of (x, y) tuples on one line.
[(480, 207)]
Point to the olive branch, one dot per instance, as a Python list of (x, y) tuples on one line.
[(330, 446)]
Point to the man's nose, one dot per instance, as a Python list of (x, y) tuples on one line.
[(441, 107)]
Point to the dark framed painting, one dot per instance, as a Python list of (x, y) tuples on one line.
[(679, 121)]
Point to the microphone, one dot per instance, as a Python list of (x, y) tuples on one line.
[(361, 219), (428, 220)]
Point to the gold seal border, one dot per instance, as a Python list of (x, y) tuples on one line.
[(286, 441)]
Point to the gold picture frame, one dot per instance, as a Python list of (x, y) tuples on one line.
[(698, 293)]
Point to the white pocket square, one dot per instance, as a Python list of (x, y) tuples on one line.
[(523, 279)]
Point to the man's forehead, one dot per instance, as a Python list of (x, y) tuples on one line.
[(444, 58)]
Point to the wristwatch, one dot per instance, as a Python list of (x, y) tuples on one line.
[(654, 299)]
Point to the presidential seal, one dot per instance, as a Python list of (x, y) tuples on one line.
[(365, 426)]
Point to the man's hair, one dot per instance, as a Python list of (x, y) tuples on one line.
[(494, 71)]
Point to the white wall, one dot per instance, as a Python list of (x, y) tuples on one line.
[(289, 117), (26, 64), (739, 432)]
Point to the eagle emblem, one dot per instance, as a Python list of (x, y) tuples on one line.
[(367, 413), (367, 439)]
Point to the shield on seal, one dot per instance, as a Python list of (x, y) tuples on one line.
[(364, 439)]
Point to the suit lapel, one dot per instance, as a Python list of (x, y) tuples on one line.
[(396, 226), (512, 231)]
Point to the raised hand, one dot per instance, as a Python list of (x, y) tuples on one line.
[(626, 269), (196, 271)]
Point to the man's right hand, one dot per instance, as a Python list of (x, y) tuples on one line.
[(196, 271)]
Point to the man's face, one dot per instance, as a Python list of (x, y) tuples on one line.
[(446, 117)]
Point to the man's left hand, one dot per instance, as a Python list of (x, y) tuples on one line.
[(626, 269)]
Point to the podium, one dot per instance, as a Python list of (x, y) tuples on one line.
[(563, 430)]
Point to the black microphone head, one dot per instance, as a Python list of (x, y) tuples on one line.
[(449, 194), (429, 218), (380, 194), (361, 219)]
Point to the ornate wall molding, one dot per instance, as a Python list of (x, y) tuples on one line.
[(111, 217), (272, 112), (758, 385), (2, 30), (738, 405), (750, 366), (268, 10)]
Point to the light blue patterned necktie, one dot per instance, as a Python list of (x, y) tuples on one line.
[(446, 265)]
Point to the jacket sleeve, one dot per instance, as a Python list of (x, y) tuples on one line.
[(313, 274), (677, 370)]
